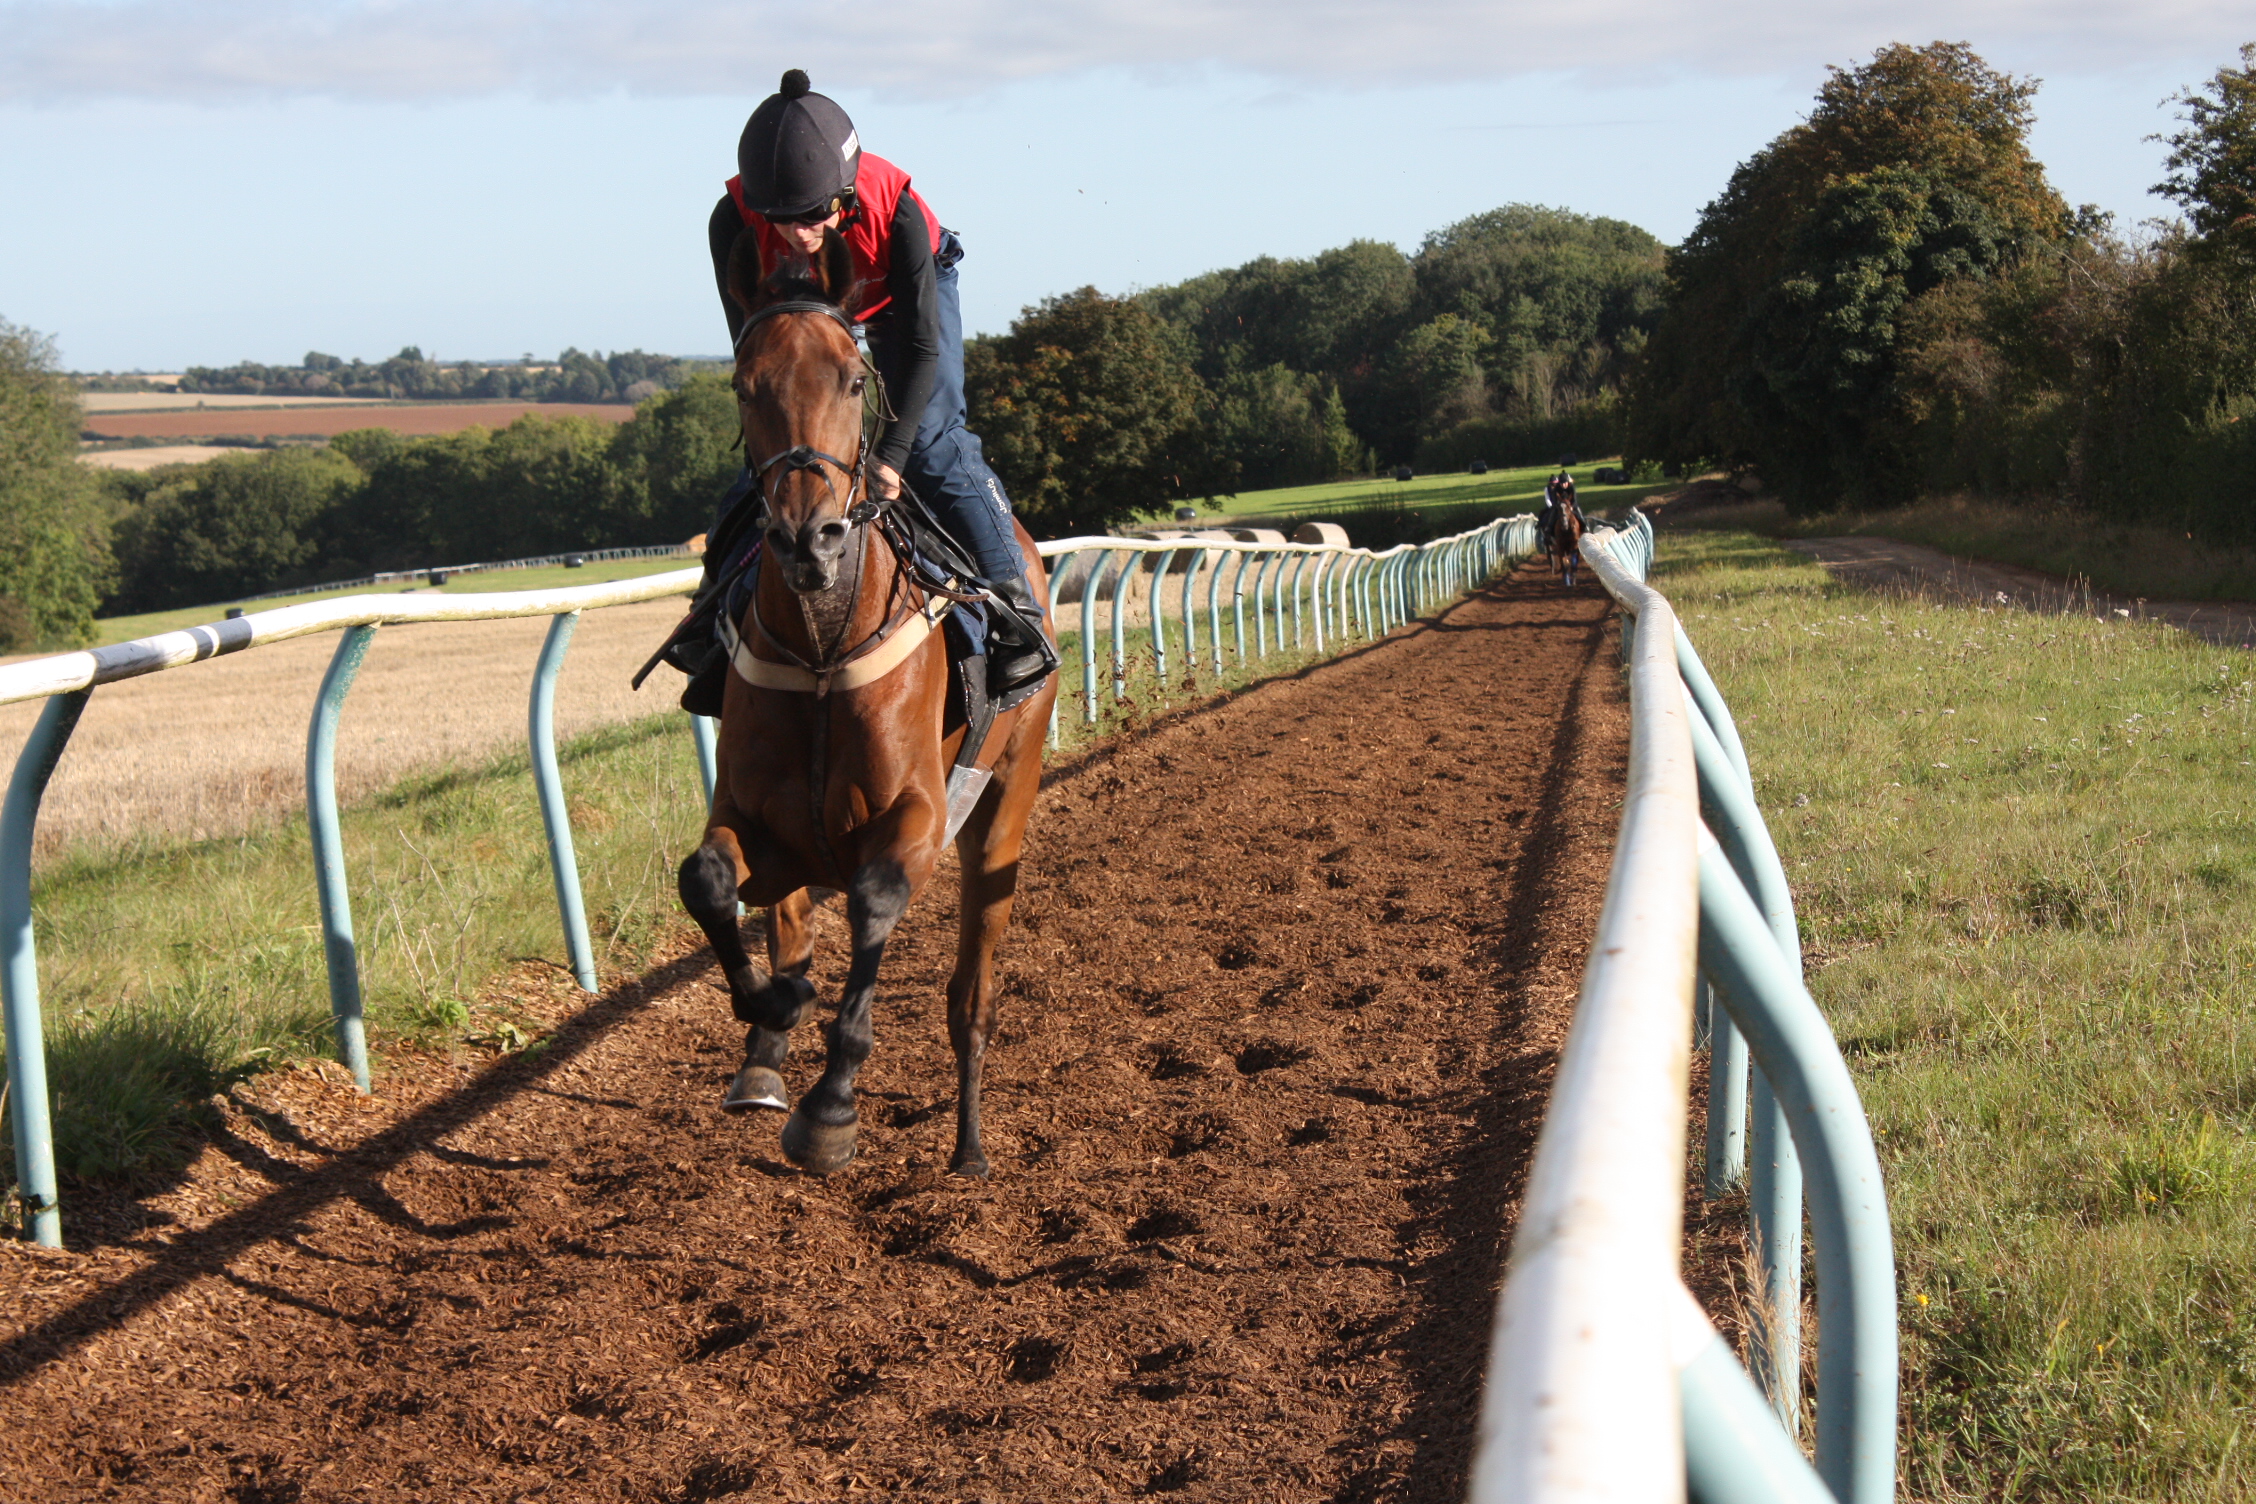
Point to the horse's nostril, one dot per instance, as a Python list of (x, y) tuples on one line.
[(834, 531)]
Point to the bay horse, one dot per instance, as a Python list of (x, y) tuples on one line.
[(833, 758), (1562, 540)]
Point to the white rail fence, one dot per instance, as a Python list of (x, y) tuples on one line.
[(1606, 1380)]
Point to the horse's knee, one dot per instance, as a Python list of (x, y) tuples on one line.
[(708, 886)]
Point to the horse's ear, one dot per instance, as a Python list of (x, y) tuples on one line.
[(744, 270), (834, 268)]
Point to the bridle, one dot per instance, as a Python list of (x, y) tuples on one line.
[(800, 456), (859, 515)]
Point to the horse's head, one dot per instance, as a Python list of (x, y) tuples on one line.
[(799, 381)]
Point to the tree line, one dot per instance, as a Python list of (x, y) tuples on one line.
[(575, 376), (1500, 336), (75, 541), (1891, 299)]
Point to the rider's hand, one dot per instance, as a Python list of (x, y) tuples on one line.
[(885, 480)]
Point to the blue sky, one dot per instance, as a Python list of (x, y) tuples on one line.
[(190, 181)]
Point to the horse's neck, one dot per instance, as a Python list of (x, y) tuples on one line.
[(831, 622)]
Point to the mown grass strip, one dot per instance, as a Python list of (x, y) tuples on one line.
[(2023, 853)]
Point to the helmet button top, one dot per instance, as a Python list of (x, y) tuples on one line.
[(795, 83)]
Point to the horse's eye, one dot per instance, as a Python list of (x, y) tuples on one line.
[(859, 383)]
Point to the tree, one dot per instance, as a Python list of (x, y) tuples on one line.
[(2212, 160), (231, 527), (1284, 428), (54, 554), (1780, 348), (679, 453), (1092, 414)]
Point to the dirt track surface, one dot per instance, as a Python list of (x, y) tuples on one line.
[(1885, 563), (1282, 1002)]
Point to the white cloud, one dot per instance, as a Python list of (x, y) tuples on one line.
[(54, 50)]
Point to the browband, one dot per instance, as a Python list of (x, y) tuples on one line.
[(792, 305)]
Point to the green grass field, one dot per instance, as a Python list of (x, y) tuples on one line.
[(1443, 499), (2024, 856)]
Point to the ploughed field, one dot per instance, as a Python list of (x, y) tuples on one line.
[(299, 421), (1282, 999)]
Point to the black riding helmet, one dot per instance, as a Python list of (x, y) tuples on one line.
[(798, 153)]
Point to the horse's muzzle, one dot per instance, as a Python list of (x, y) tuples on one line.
[(809, 554)]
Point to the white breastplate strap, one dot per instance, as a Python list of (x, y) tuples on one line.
[(852, 674)]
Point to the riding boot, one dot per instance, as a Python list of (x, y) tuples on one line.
[(707, 685), (1018, 650), (694, 649)]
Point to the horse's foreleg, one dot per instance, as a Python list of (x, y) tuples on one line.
[(791, 946), (710, 879), (820, 1134)]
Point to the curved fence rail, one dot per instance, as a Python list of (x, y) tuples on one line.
[(1330, 594), (1605, 1380)]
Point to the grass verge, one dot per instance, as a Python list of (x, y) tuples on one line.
[(172, 968), (2129, 559), (2024, 856)]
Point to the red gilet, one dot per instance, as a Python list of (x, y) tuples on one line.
[(878, 186)]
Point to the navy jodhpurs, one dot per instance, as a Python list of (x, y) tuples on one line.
[(946, 465)]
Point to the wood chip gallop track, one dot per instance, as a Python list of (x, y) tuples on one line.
[(1283, 996)]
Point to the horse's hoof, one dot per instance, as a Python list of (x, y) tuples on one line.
[(971, 1166), (818, 1148), (756, 1087)]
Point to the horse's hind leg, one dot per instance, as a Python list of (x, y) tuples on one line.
[(987, 854), (820, 1133), (709, 881)]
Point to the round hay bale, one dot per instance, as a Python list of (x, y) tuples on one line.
[(1320, 532)]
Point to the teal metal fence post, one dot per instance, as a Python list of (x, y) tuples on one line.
[(329, 852), (563, 863), (1089, 587), (30, 1110), (1774, 1171), (1057, 572), (1157, 606), (1214, 608), (1795, 1050), (708, 769)]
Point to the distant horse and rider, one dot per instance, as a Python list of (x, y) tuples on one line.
[(1560, 526)]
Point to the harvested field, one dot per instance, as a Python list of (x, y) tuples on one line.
[(167, 402), (218, 748), (155, 455), (322, 422), (1281, 1008)]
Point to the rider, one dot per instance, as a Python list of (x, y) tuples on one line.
[(1558, 495), (801, 171)]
